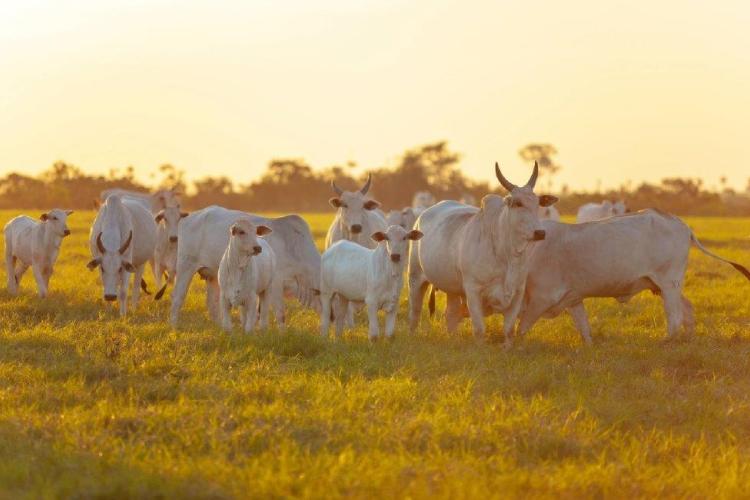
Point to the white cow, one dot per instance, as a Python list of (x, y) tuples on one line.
[(404, 218), (422, 201), (248, 277), (357, 217), (597, 211), (165, 253), (204, 235), (122, 240), (354, 273), (616, 257), (152, 202), (481, 254), (549, 213), (34, 243)]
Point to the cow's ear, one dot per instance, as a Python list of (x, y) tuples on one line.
[(414, 234), (261, 230), (371, 205), (44, 217), (379, 236), (94, 264), (336, 202), (547, 200), (68, 212), (159, 216), (184, 214), (128, 267)]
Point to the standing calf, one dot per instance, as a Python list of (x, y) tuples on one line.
[(373, 276), (165, 254), (36, 244), (247, 272)]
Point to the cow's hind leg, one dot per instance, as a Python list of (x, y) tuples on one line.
[(672, 298), (581, 320), (417, 288), (212, 298), (10, 268), (325, 313), (138, 277), (453, 310), (185, 274), (688, 316)]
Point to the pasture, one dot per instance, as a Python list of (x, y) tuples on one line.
[(95, 406)]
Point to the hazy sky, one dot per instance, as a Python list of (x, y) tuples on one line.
[(625, 89)]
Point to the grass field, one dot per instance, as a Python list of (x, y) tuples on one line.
[(95, 406)]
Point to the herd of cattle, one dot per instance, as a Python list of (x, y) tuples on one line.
[(509, 254)]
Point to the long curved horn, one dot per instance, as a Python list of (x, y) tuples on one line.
[(509, 186), (99, 243), (534, 175), (338, 190), (127, 243), (366, 187)]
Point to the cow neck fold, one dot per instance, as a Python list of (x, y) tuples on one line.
[(514, 262)]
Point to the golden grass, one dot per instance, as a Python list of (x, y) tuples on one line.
[(95, 406)]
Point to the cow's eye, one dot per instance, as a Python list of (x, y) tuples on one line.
[(53, 218)]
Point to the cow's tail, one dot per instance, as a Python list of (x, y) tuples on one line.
[(699, 245), (431, 301)]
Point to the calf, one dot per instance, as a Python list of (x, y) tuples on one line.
[(122, 240), (34, 243), (247, 274), (616, 257), (354, 273), (597, 211)]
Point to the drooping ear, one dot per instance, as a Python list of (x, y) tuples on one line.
[(379, 236), (261, 230), (44, 217), (68, 212), (547, 200), (414, 234), (184, 214), (94, 264), (159, 216), (336, 202), (128, 267), (371, 205)]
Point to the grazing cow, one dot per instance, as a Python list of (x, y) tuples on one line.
[(481, 254), (203, 238), (32, 243), (422, 201), (354, 273), (122, 240), (549, 213), (616, 257), (247, 275), (152, 202), (165, 253), (404, 218), (597, 211), (356, 217)]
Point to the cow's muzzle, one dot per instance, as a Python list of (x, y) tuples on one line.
[(257, 249), (395, 257), (173, 239), (356, 228), (110, 298), (539, 234), (66, 233)]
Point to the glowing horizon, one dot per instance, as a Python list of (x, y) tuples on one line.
[(626, 91)]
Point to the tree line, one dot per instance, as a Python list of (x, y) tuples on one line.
[(292, 185)]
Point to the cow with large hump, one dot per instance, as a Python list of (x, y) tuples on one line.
[(204, 236), (481, 254), (122, 240), (616, 257), (356, 218), (152, 202)]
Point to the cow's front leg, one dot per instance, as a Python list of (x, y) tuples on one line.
[(137, 278), (251, 311), (41, 283), (372, 316), (226, 313), (474, 303), (509, 318), (123, 292), (390, 319)]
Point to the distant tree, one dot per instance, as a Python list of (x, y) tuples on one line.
[(543, 154), (172, 178)]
